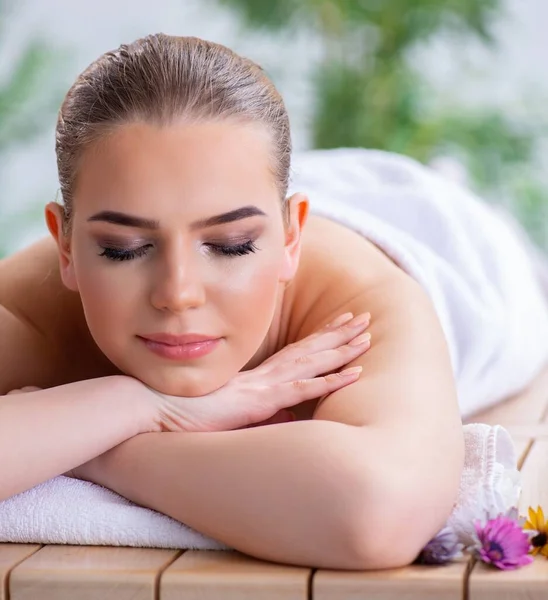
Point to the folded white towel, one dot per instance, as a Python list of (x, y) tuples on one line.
[(70, 511)]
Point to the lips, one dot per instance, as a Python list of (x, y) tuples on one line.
[(177, 340), (180, 347)]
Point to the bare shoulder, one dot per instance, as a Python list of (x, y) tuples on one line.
[(339, 271), (45, 338), (407, 373), (31, 287)]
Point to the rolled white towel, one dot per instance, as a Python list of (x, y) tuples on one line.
[(490, 482)]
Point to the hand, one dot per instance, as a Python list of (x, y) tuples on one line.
[(301, 371)]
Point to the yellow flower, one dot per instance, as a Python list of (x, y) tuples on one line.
[(537, 523)]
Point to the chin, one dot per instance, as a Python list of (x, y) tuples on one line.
[(187, 386)]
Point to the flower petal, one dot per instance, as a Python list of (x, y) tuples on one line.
[(540, 518), (533, 518), (529, 525)]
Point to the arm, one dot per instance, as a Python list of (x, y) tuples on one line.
[(45, 433), (303, 493), (408, 395), (364, 485)]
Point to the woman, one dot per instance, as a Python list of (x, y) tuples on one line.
[(182, 305)]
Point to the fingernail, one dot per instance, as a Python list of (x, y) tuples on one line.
[(342, 320), (352, 371), (361, 320), (364, 338)]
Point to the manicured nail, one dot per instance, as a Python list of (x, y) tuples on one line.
[(351, 372), (360, 320), (341, 320), (364, 338)]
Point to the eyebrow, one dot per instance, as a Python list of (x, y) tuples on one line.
[(118, 218)]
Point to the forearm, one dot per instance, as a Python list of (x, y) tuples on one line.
[(293, 493), (48, 432)]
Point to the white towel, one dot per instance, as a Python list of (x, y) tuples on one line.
[(490, 482), (469, 259), (70, 511)]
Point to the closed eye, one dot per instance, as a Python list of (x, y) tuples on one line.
[(234, 250), (121, 254)]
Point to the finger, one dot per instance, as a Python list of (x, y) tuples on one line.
[(301, 390), (308, 366), (295, 348), (341, 320), (331, 336)]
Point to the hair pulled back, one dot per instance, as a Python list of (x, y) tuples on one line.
[(161, 78)]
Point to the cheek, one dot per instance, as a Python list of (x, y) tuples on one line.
[(108, 294), (248, 305), (253, 287)]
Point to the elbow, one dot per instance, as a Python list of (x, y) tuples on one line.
[(390, 531), (384, 548), (377, 547)]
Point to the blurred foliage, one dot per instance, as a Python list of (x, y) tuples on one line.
[(29, 97), (368, 93)]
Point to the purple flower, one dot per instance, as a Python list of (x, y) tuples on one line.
[(502, 543), (441, 549)]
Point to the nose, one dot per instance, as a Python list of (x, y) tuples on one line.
[(177, 287)]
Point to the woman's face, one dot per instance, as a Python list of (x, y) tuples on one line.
[(178, 250)]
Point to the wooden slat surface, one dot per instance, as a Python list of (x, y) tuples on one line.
[(522, 445), (415, 582), (535, 478), (527, 583), (199, 575), (10, 556), (90, 573)]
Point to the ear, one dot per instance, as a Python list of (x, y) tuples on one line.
[(54, 220), (297, 207)]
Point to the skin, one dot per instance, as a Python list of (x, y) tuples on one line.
[(182, 284), (64, 296)]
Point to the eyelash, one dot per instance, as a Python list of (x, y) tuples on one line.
[(231, 251)]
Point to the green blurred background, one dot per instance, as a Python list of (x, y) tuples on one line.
[(398, 75)]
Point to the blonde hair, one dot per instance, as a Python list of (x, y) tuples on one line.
[(160, 78)]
